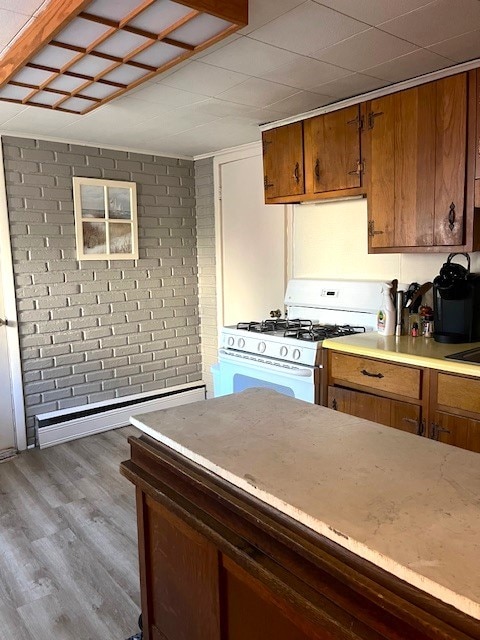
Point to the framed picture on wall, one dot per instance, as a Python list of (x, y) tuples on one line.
[(105, 219)]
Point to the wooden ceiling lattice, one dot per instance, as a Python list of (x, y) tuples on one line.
[(78, 55)]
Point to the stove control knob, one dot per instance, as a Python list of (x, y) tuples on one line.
[(296, 354), (261, 347), (283, 351), (241, 343), (230, 341)]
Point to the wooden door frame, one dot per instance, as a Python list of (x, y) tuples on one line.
[(8, 287)]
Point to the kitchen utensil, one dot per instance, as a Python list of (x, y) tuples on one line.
[(415, 300), (399, 304), (393, 290), (412, 288)]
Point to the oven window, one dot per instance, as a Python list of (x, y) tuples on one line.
[(241, 382)]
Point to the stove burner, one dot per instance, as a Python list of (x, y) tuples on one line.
[(275, 324), (318, 332)]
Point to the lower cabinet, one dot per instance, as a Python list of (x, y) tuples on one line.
[(391, 413), (456, 430), (455, 402), (439, 405)]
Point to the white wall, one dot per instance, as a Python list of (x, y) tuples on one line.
[(330, 241)]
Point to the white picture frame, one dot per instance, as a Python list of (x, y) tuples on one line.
[(106, 226)]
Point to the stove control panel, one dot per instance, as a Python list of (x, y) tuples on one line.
[(278, 347)]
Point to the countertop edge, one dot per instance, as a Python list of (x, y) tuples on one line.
[(462, 603), (439, 364)]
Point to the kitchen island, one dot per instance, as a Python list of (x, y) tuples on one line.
[(261, 516)]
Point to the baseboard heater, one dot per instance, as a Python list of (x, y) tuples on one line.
[(69, 424)]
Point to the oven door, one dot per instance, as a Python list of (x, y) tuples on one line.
[(237, 371)]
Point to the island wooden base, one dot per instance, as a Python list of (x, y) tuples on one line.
[(217, 564)]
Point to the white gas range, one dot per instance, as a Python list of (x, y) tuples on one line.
[(285, 353)]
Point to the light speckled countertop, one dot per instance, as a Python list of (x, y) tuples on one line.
[(409, 505), (421, 352)]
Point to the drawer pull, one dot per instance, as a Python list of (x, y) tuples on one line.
[(371, 375)]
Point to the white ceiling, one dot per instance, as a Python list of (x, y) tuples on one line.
[(294, 55)]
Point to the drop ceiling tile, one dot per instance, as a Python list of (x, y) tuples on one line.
[(300, 103), (198, 77), (305, 73), (364, 50), (220, 45), (39, 121), (308, 28), (138, 110), (172, 122), (461, 48), (245, 55), (222, 108), (352, 85), (165, 96), (436, 21), (409, 66), (374, 11), (258, 92), (9, 110), (262, 11), (27, 7), (264, 116), (11, 23)]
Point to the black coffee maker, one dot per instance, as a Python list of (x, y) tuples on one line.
[(456, 302)]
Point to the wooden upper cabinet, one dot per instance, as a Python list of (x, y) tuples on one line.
[(283, 162), (333, 159), (418, 162), (451, 159)]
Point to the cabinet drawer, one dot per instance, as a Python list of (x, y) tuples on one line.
[(375, 374), (458, 393)]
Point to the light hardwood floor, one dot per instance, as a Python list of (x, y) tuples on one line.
[(68, 543)]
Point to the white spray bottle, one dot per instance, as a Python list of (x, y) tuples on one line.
[(386, 314)]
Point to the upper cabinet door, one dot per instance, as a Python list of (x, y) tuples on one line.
[(381, 175), (283, 161), (402, 168), (418, 159), (451, 155), (333, 160), (414, 166)]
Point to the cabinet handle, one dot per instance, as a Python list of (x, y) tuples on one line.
[(451, 216), (371, 118), (265, 144), (371, 375), (358, 122), (371, 229), (436, 429), (358, 171), (296, 173), (317, 169), (334, 405), (3, 323), (267, 184)]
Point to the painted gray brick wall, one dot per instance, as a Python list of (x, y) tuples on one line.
[(205, 207), (100, 330)]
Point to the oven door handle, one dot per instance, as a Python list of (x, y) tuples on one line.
[(301, 372)]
